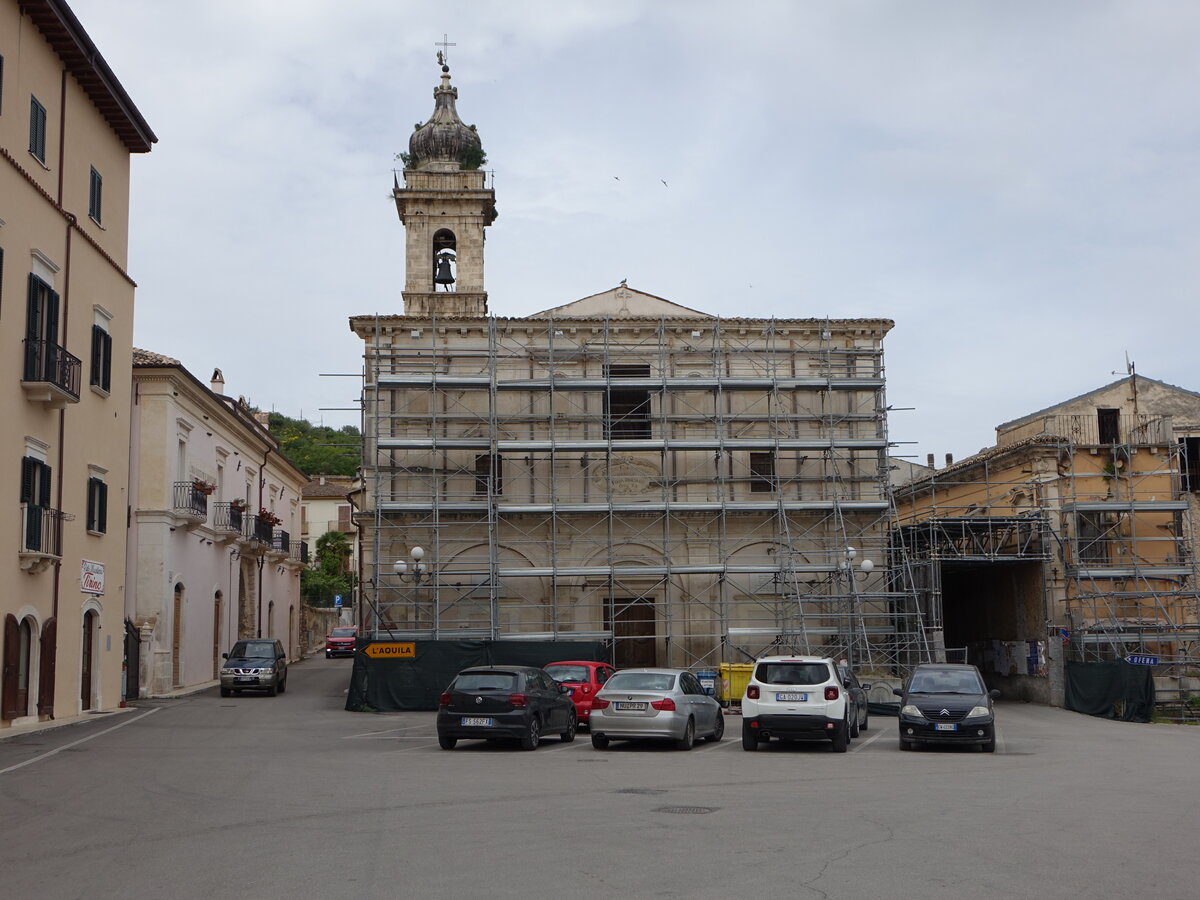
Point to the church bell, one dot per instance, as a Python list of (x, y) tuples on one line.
[(444, 275)]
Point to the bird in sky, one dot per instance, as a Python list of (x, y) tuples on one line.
[(664, 183), (618, 179)]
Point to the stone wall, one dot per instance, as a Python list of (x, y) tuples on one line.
[(315, 623)]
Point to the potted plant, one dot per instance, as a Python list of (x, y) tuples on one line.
[(200, 486), (265, 515), (237, 504)]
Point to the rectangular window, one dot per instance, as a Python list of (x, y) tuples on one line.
[(101, 358), (489, 475), (1108, 421), (35, 494), (762, 473), (344, 519), (41, 331), (1189, 464), (626, 410), (94, 190), (1090, 534), (97, 505), (37, 129)]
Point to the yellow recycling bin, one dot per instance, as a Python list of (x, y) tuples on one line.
[(734, 678)]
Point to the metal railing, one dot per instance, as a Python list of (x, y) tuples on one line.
[(281, 541), (1087, 430), (46, 361), (262, 530), (299, 550), (41, 530), (230, 518), (189, 500)]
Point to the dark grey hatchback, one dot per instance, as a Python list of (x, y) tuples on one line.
[(946, 703), (498, 702)]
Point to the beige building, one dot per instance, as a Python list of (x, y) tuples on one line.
[(1073, 538), (67, 131), (214, 547), (325, 507), (690, 488)]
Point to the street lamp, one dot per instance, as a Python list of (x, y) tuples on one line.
[(419, 573), (847, 568)]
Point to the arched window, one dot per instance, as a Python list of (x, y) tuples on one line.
[(445, 259)]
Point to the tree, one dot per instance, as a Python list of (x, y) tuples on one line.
[(328, 573), (317, 449)]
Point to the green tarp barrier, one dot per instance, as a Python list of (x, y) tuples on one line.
[(1113, 689), (392, 685)]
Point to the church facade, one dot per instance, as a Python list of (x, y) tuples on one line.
[(690, 488)]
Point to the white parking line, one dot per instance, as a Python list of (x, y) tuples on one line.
[(48, 753), (872, 739), (366, 734)]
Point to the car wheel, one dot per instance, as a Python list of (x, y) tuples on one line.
[(328, 655), (572, 726), (718, 728), (273, 690), (749, 738), (283, 685), (990, 746), (225, 692), (854, 726), (446, 743), (907, 745), (866, 718), (533, 736), (841, 738), (689, 736), (599, 742)]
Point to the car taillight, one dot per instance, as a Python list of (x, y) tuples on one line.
[(586, 689), (752, 692), (665, 703), (598, 703), (831, 693), (444, 699), (518, 700)]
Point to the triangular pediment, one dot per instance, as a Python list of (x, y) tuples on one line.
[(621, 302)]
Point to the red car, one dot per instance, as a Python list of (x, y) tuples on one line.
[(340, 642), (582, 679)]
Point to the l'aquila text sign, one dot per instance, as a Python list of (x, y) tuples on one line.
[(391, 651)]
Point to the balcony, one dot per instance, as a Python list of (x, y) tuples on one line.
[(51, 374), (281, 545), (230, 522), (298, 551), (190, 503), (262, 531), (41, 537)]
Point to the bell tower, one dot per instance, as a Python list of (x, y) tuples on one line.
[(445, 205)]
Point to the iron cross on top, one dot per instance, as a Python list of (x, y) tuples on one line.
[(445, 44)]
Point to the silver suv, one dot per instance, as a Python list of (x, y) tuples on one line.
[(796, 698), (254, 664)]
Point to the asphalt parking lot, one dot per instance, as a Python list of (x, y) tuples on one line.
[(292, 796)]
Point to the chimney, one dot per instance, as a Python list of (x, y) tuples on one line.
[(929, 460), (949, 459), (218, 383), (322, 479)]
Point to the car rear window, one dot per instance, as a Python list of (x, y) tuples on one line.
[(641, 681), (569, 673), (792, 673), (344, 632), (486, 681)]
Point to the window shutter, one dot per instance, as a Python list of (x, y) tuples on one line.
[(91, 504), (33, 321), (29, 467), (97, 349), (12, 656), (106, 371), (344, 519), (102, 503), (44, 485), (51, 334), (46, 667)]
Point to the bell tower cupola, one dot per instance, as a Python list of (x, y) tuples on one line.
[(444, 205)]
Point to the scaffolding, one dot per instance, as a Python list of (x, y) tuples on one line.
[(685, 489), (1100, 506)]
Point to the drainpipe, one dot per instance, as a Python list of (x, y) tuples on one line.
[(262, 480)]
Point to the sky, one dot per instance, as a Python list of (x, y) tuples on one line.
[(1014, 184)]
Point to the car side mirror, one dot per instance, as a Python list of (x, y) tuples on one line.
[(562, 688), (994, 694), (224, 656), (898, 692), (864, 686)]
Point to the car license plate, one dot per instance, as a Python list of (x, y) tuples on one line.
[(944, 726), (631, 706), (242, 679), (783, 698), (475, 722)]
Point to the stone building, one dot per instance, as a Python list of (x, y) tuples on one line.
[(693, 489), (1072, 538), (68, 130)]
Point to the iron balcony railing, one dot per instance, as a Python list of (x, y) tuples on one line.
[(1091, 430), (282, 541), (230, 518), (190, 501), (41, 530), (299, 550), (46, 361), (262, 530)]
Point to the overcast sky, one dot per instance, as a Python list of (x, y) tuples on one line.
[(1014, 184)]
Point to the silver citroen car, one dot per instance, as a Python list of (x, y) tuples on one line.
[(664, 704)]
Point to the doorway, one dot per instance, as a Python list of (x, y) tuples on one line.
[(87, 661), (216, 647), (177, 637), (631, 621)]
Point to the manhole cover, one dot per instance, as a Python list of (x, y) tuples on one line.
[(687, 810), (640, 791)]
